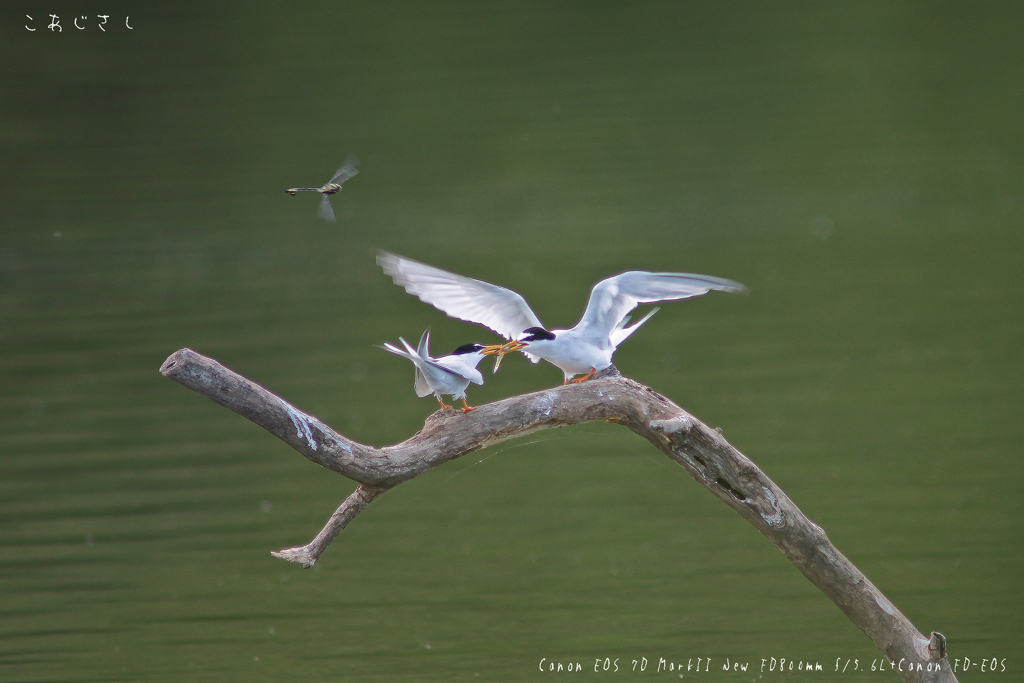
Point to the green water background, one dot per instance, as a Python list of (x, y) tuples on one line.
[(858, 166)]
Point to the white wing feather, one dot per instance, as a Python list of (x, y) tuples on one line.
[(433, 374), (613, 298), (476, 301), (457, 366)]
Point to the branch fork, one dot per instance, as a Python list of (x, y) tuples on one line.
[(608, 396)]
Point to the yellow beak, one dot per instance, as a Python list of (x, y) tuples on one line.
[(500, 350), (507, 347)]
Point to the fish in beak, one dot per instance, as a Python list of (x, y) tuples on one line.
[(500, 350)]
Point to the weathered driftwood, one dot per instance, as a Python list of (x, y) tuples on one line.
[(703, 451)]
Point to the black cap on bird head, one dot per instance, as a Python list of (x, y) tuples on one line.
[(535, 334), (467, 348)]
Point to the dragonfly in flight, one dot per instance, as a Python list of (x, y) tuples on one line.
[(333, 186)]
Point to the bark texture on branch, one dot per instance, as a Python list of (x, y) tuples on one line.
[(705, 454)]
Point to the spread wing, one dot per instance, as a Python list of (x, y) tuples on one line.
[(326, 212), (476, 301), (347, 170), (613, 298)]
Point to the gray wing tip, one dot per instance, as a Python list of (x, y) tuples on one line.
[(729, 286), (388, 261), (719, 284)]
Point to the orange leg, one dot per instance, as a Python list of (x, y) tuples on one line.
[(467, 407), (443, 406), (585, 377)]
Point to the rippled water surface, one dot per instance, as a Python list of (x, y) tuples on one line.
[(859, 168)]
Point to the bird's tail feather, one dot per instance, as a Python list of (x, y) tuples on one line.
[(622, 332), (421, 386)]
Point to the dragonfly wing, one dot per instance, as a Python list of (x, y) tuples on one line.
[(347, 170), (326, 212)]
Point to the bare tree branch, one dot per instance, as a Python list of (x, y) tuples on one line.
[(307, 555), (705, 454)]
